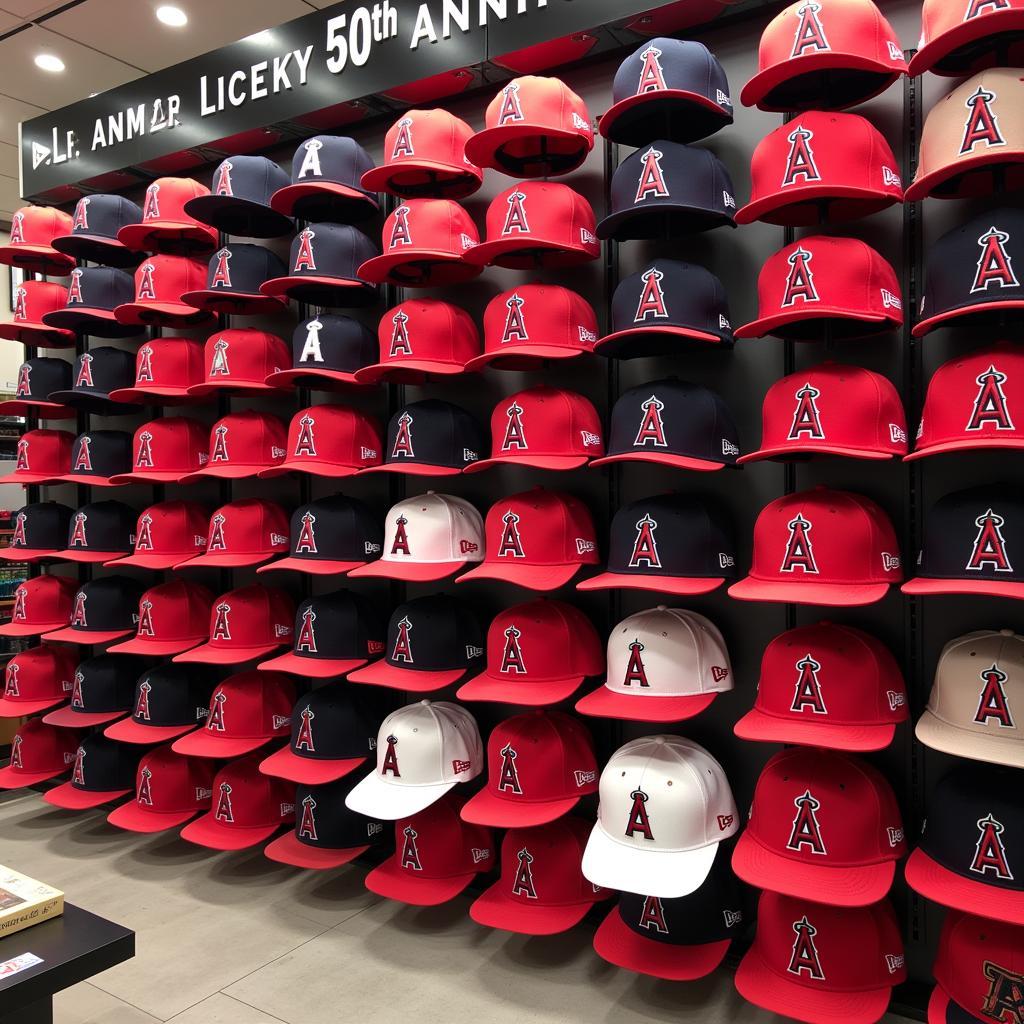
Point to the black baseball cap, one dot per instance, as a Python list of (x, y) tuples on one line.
[(667, 189), (103, 771), (331, 736), (972, 543), (326, 174), (169, 701), (327, 834), (327, 350), (431, 438), (673, 543), (94, 229), (331, 535), (233, 278), (103, 609), (432, 642), (674, 423), (40, 531), (323, 266), (97, 455), (100, 531), (239, 199), (667, 89), (655, 311), (98, 372), (93, 295), (37, 379), (102, 691), (334, 633), (971, 852)]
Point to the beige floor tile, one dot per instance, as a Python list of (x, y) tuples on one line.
[(221, 1009), (85, 1004)]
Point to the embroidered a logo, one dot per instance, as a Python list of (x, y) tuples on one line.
[(652, 916), (800, 163), (222, 183), (306, 542), (512, 662), (652, 178), (522, 884), (636, 671), (990, 408), (806, 418), (807, 692), (806, 831), (146, 288), (799, 552), (401, 650), (222, 272), (989, 550), (638, 822), (652, 297), (652, 427), (410, 851), (799, 279), (515, 435), (989, 851), (515, 219), (403, 146), (993, 704), (645, 547), (652, 75), (401, 232), (511, 544), (982, 124), (400, 343), (810, 34), (995, 265), (508, 776), (511, 110), (402, 448), (515, 320), (304, 738), (804, 958)]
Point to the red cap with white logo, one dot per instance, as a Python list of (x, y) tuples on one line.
[(167, 533), (160, 282), (244, 532), (165, 369), (32, 300), (331, 441), (39, 752), (239, 360), (164, 451), (242, 444), (42, 456), (37, 679), (172, 618), (169, 790), (41, 604), (165, 227)]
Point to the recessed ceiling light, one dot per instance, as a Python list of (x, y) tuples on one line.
[(49, 62), (260, 38), (170, 15)]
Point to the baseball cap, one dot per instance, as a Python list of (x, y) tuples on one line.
[(327, 834), (37, 680), (327, 351), (93, 293), (538, 539), (675, 939), (537, 653), (819, 284), (95, 224), (819, 963), (968, 543), (671, 543), (160, 281), (239, 199), (170, 700), (331, 737), (430, 438), (165, 369), (103, 609), (97, 373), (242, 533), (164, 225), (326, 182), (325, 268), (821, 546), (436, 856), (535, 127), (424, 156), (41, 604), (169, 790), (824, 56), (246, 808), (666, 189), (165, 450), (832, 409), (536, 223), (978, 681), (38, 752), (423, 751), (664, 665), (167, 533), (427, 537), (419, 337), (955, 42), (541, 890), (672, 423), (37, 379), (30, 245), (432, 642), (245, 623), (329, 441), (99, 532), (334, 633), (39, 531), (102, 771), (31, 301), (968, 854), (242, 444), (101, 692), (172, 618), (425, 242), (42, 456), (234, 277), (827, 685), (665, 805), (330, 535), (99, 455), (238, 361), (667, 88)]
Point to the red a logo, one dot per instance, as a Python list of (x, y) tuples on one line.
[(652, 298), (995, 265), (81, 222), (220, 444), (219, 363), (224, 811), (215, 723), (514, 434), (512, 656), (515, 322), (652, 178), (221, 626), (993, 702), (20, 304), (83, 455), (84, 376), (638, 820), (652, 427), (142, 701), (400, 545), (510, 107), (522, 884), (22, 458), (400, 231), (645, 548), (799, 279), (306, 543), (306, 640), (144, 456), (810, 35), (18, 537), (18, 229), (390, 763), (410, 852), (144, 794), (77, 701), (652, 76), (402, 649), (806, 420), (304, 259), (990, 407), (974, 9), (807, 695), (510, 545), (402, 447), (11, 688), (1004, 1000), (403, 140), (304, 739), (305, 443), (24, 383), (400, 344), (800, 165), (508, 777), (74, 287), (652, 917), (989, 546), (805, 953), (307, 823), (16, 752), (19, 613), (982, 125), (217, 541), (147, 288), (144, 369), (222, 272), (636, 672), (806, 831), (78, 617), (146, 619), (151, 207), (78, 772), (222, 186), (144, 541), (515, 219), (799, 552), (989, 853)]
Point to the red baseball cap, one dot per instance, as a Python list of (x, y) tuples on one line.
[(331, 441), (165, 369), (437, 855), (425, 243), (38, 752), (422, 336), (537, 653), (160, 281), (539, 765), (824, 55), (822, 547), (538, 223), (167, 533), (245, 623), (822, 964), (239, 361), (535, 128), (543, 427), (822, 821), (32, 300), (827, 685), (172, 618), (164, 451), (36, 680), (242, 533), (169, 790), (43, 456), (33, 229), (832, 409), (818, 282), (242, 444), (41, 604), (958, 41), (538, 539), (247, 808), (425, 155), (165, 227), (541, 890)]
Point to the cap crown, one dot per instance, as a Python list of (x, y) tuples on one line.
[(540, 527), (32, 299), (339, 625), (250, 526), (535, 315), (245, 798), (37, 747), (177, 610), (433, 528), (434, 633), (172, 695), (328, 724), (41, 526), (433, 433), (541, 211), (323, 820), (107, 603), (240, 268), (164, 279), (40, 673), (332, 435), (429, 743), (171, 528), (545, 421), (102, 526), (168, 363), (427, 329), (101, 765), (437, 843), (167, 782), (250, 705), (428, 138), (329, 251), (432, 225), (251, 616), (99, 288), (173, 444), (331, 342), (39, 378), (335, 528), (43, 452), (243, 356), (104, 683), (541, 641), (102, 454), (42, 600)]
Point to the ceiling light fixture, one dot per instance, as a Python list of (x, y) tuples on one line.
[(49, 62), (260, 38), (175, 17)]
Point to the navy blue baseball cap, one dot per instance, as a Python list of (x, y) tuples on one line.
[(170, 700), (239, 199), (101, 692), (100, 531), (655, 311), (431, 438), (40, 531), (98, 372), (103, 771), (97, 455), (326, 173), (667, 89), (93, 295), (233, 279), (94, 229), (327, 351), (667, 189), (37, 380), (103, 609)]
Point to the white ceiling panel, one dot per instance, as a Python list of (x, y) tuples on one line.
[(9, 198), (321, 4), (8, 160), (29, 8), (8, 21)]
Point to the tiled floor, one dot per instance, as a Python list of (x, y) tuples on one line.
[(236, 939)]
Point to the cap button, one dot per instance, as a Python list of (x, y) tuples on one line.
[(1006, 632), (431, 492), (659, 739), (662, 608), (424, 701)]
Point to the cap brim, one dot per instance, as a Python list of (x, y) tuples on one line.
[(134, 818), (152, 396), (605, 703), (231, 387), (69, 798), (100, 322), (991, 588), (159, 314), (675, 106), (37, 334), (839, 595), (224, 472), (310, 566), (382, 371), (783, 451), (482, 147), (210, 654), (285, 199), (44, 410), (485, 808), (767, 325), (316, 668), (157, 648), (311, 378), (12, 779), (636, 342), (67, 717), (410, 572), (924, 187), (433, 267), (235, 215), (931, 323), (943, 1010), (523, 250), (933, 732), (22, 708), (150, 561), (28, 629), (757, 88), (203, 743), (414, 469), (343, 290), (929, 878), (25, 479), (148, 235), (962, 35), (104, 249), (156, 477), (88, 479), (226, 560), (680, 585), (308, 771), (12, 554), (533, 577), (522, 357), (541, 693), (207, 831), (127, 730), (772, 208), (70, 635), (660, 459), (756, 725), (494, 909), (967, 445), (287, 849), (391, 882), (554, 462), (380, 673), (235, 303), (390, 801), (321, 469), (637, 223), (383, 178), (94, 557)]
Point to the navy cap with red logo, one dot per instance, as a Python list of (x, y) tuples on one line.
[(103, 609), (95, 224), (41, 604), (97, 373), (99, 532), (37, 680), (242, 444), (327, 172), (160, 282), (327, 351), (431, 438), (165, 369), (38, 379), (39, 531), (30, 246), (38, 752), (99, 455), (102, 690), (167, 533), (239, 200), (102, 771), (93, 294), (172, 617), (164, 225), (234, 277), (170, 700), (32, 300)]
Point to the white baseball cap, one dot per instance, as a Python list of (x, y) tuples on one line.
[(427, 538), (664, 665), (665, 806), (423, 751)]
